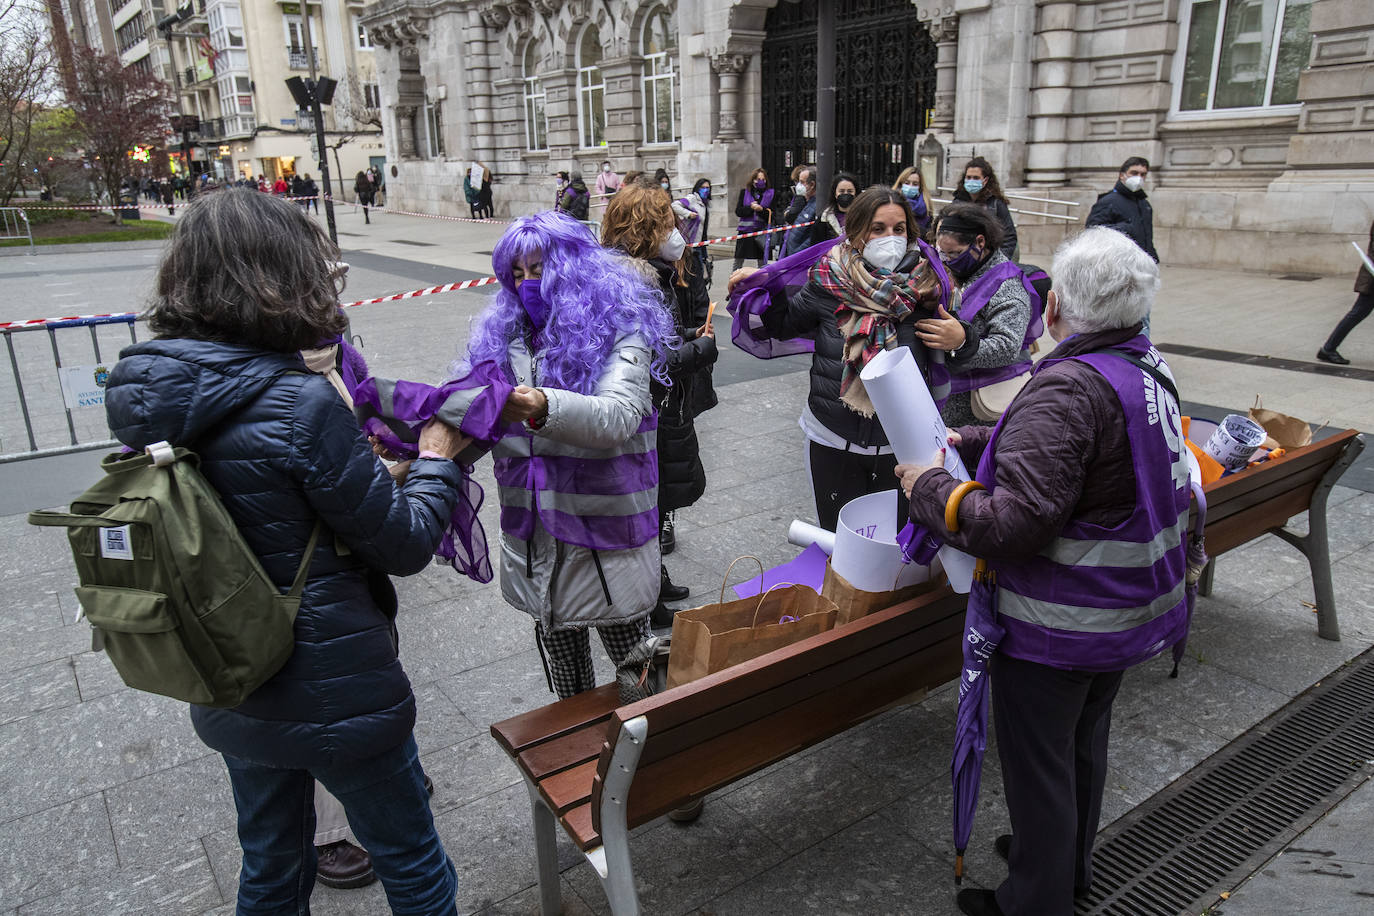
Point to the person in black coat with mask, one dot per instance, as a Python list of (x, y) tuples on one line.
[(1125, 208), (640, 222)]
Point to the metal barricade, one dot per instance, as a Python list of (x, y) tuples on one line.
[(14, 224), (48, 388)]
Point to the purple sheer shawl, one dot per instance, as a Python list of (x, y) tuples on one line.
[(754, 295), (395, 410)]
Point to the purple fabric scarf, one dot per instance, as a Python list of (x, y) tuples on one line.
[(756, 294), (395, 411)]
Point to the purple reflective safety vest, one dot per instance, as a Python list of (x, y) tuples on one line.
[(971, 302), (598, 499), (1103, 599)]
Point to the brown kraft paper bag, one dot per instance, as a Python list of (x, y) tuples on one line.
[(1283, 431), (852, 603), (714, 637)]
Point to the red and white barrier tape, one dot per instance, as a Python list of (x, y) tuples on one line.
[(750, 235), (35, 322), (455, 219), (415, 293)]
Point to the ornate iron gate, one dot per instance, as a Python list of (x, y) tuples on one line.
[(885, 87)]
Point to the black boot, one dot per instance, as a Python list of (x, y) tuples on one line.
[(661, 616), (667, 539), (667, 591)]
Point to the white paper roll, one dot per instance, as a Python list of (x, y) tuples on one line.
[(866, 551), (804, 534), (1234, 441), (917, 432)]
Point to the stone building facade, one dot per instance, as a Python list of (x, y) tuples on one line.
[(1256, 115)]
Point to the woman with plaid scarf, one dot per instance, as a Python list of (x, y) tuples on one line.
[(878, 289)]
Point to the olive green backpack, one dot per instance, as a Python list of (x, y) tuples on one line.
[(171, 590)]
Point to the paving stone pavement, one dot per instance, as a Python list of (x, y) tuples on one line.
[(109, 804)]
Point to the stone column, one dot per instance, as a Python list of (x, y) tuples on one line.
[(945, 34), (405, 126), (729, 67), (624, 110), (1051, 95), (560, 109), (478, 64)]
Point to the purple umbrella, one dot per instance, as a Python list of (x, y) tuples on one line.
[(1197, 562), (982, 633)]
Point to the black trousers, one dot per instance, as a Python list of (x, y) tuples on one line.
[(1364, 304), (837, 476), (1052, 728)]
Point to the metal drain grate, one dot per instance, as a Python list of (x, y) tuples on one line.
[(1216, 824)]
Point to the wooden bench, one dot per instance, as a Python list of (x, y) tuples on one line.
[(1261, 500), (601, 771)]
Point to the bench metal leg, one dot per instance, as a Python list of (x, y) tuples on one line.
[(1204, 584), (612, 859), (546, 853), (1315, 545)]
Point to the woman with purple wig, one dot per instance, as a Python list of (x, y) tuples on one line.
[(581, 334)]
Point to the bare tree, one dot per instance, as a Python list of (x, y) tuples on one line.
[(354, 117), (26, 72), (117, 108)]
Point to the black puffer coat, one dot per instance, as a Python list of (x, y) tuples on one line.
[(283, 450), (681, 477), (1127, 212), (811, 313)]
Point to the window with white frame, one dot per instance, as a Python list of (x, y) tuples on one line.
[(1240, 54), (536, 125), (434, 128), (364, 40), (660, 49), (591, 89)]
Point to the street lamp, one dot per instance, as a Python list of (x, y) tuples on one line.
[(311, 94)]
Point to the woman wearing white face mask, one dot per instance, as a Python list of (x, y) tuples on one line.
[(864, 296), (640, 222)]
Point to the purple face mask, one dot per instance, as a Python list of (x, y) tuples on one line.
[(760, 184), (966, 262), (536, 309)]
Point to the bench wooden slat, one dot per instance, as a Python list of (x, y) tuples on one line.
[(543, 760), (690, 701), (558, 718), (661, 786), (578, 824), (571, 787), (804, 689), (1240, 529), (1304, 480)]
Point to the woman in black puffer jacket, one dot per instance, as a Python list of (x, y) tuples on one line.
[(640, 222), (244, 286)]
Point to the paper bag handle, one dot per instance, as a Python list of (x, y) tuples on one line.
[(726, 579), (765, 595)]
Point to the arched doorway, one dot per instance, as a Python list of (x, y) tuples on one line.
[(885, 87)]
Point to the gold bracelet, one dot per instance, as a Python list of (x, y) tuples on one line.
[(955, 498)]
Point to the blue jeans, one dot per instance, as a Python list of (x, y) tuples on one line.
[(387, 808)]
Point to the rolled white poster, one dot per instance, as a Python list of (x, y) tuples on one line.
[(866, 551), (917, 433), (804, 534), (1234, 442)]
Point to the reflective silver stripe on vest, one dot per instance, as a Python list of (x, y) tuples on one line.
[(518, 447), (581, 505), (1121, 554), (1085, 619)]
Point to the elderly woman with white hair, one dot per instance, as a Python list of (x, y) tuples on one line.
[(1079, 508)]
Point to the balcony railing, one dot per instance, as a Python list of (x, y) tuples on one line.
[(297, 60)]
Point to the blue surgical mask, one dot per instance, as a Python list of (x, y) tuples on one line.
[(532, 300), (973, 185), (704, 193), (912, 191)]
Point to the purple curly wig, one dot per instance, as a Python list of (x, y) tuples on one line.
[(595, 296)]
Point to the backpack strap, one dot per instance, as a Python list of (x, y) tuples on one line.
[(1164, 381), (303, 571)]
